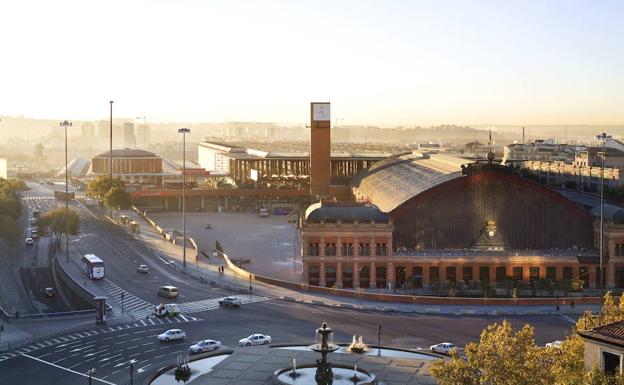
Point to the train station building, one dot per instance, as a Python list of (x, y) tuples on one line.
[(426, 218)]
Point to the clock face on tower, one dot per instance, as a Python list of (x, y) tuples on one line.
[(320, 112)]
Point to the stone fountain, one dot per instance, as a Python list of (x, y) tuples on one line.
[(357, 345), (323, 372)]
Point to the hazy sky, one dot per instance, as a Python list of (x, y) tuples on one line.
[(378, 62)]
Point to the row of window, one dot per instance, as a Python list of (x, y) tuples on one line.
[(347, 249), (467, 274), (347, 276)]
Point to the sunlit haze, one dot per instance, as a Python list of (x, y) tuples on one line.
[(378, 62)]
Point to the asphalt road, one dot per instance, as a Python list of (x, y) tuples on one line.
[(111, 352)]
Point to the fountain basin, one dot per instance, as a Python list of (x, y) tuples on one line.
[(305, 375), (372, 351), (198, 367)]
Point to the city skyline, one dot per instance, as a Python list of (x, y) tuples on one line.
[(407, 63)]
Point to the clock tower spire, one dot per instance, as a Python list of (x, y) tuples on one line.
[(320, 149)]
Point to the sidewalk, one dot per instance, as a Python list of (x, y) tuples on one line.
[(205, 270)]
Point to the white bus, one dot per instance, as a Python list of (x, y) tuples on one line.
[(93, 266)]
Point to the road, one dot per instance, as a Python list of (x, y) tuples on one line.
[(111, 351)]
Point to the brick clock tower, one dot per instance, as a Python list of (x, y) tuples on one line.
[(320, 149)]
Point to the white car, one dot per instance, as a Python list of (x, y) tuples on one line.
[(172, 334), (29, 241), (255, 339), (143, 269), (554, 344), (205, 346), (443, 348)]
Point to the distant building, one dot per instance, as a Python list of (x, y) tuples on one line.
[(76, 168), (129, 140), (131, 165), (475, 147), (143, 135), (540, 150), (591, 157), (435, 221), (87, 131), (103, 130), (279, 166)]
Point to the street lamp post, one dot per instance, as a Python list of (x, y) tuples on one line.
[(110, 149), (66, 124), (603, 137), (184, 131)]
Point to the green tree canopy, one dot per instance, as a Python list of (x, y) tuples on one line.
[(10, 203), (506, 357), (54, 221), (117, 197), (98, 187), (9, 229)]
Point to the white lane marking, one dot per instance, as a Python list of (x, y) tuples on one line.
[(570, 320), (108, 358), (69, 370), (141, 370)]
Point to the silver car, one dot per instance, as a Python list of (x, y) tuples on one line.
[(255, 339), (205, 346)]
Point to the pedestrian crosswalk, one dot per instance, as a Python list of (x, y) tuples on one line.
[(38, 197), (131, 303), (203, 305), (68, 338)]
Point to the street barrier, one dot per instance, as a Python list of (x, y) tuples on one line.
[(162, 232)]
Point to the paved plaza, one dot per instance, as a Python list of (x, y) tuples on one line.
[(269, 243), (256, 365)]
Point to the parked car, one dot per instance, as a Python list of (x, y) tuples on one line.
[(171, 335), (443, 348), (230, 301), (143, 269), (554, 344), (205, 346), (49, 291), (29, 241), (168, 291), (255, 339)]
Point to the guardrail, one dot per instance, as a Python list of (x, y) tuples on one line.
[(162, 232), (77, 288)]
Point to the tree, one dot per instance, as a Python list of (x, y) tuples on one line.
[(501, 357), (98, 187), (505, 357), (9, 229), (54, 221), (117, 197)]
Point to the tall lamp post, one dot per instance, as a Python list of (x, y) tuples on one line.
[(66, 124), (603, 138), (110, 149), (184, 131)]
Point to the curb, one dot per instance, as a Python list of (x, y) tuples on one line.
[(436, 311)]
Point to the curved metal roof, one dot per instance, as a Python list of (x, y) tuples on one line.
[(128, 153), (360, 213), (611, 213), (392, 181)]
